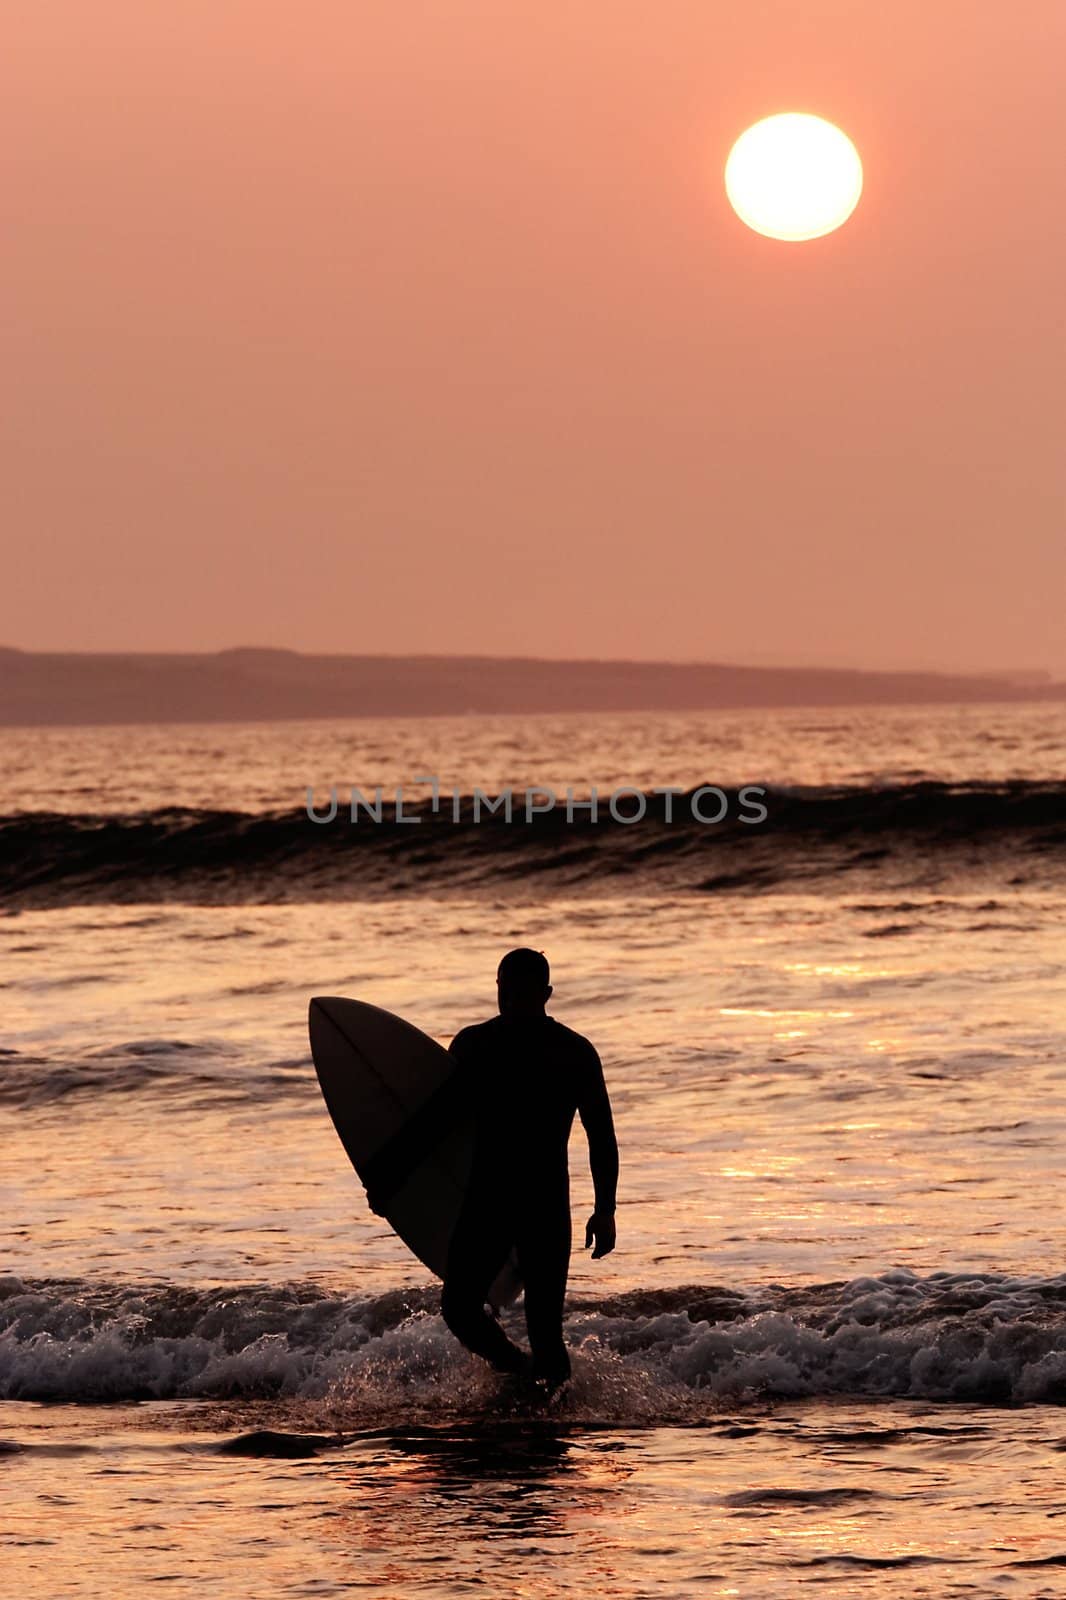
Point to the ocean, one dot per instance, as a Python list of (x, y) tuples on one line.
[(829, 1352)]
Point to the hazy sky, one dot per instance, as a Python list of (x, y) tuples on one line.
[(425, 325)]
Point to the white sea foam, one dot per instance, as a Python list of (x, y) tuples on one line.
[(971, 1337)]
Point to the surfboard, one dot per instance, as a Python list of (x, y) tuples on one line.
[(375, 1070)]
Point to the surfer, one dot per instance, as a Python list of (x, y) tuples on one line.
[(522, 1077)]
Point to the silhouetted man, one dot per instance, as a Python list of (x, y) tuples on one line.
[(522, 1076)]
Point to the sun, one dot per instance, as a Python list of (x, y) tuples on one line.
[(793, 176)]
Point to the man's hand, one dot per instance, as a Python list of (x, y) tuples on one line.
[(600, 1230)]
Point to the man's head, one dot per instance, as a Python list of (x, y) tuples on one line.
[(522, 983)]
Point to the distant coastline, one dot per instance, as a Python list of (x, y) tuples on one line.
[(263, 685)]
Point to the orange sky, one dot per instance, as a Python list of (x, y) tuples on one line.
[(425, 326)]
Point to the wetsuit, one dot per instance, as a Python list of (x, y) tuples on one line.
[(521, 1079)]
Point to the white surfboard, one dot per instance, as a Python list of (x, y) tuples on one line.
[(375, 1071)]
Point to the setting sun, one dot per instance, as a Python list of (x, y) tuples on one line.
[(793, 176)]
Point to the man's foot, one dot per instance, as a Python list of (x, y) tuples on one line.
[(529, 1396), (552, 1376), (514, 1361)]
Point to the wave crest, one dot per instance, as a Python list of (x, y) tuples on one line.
[(654, 1355), (232, 857)]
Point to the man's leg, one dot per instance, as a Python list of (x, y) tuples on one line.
[(544, 1260), (479, 1247)]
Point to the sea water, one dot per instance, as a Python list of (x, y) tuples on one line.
[(830, 1348)]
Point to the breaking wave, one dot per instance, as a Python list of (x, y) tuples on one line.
[(200, 1074), (642, 1357), (913, 832)]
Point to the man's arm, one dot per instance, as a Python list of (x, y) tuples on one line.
[(390, 1167), (594, 1109)]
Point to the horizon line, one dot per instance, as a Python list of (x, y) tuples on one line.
[(1034, 673)]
